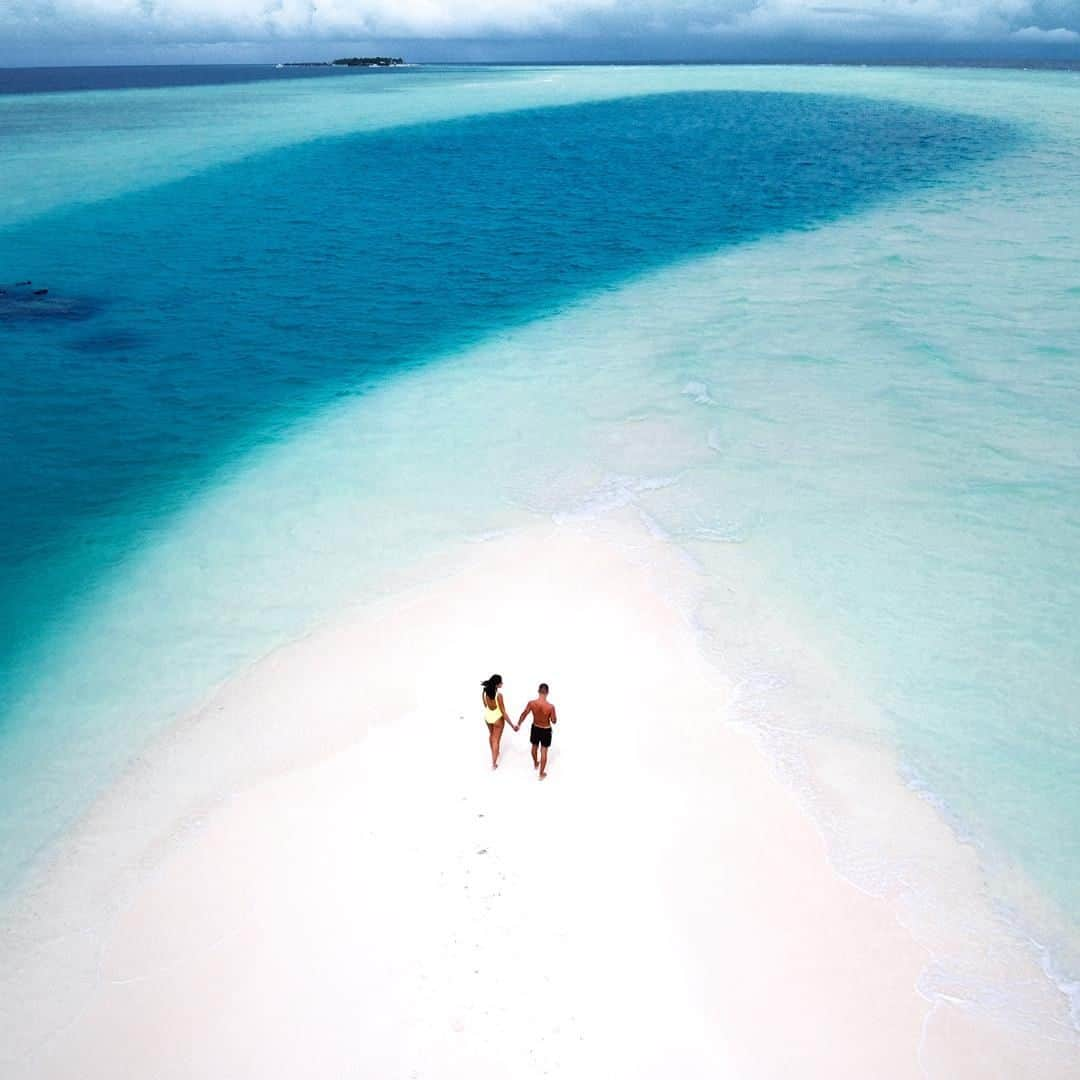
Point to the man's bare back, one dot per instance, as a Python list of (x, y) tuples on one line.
[(543, 712)]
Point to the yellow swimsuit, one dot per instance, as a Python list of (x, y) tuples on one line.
[(492, 716)]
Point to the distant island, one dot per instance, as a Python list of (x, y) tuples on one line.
[(348, 61), (369, 61)]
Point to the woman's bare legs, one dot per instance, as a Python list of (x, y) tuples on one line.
[(494, 738)]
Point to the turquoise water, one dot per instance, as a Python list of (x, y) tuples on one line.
[(180, 319), (822, 323)]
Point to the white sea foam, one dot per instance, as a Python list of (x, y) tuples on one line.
[(699, 392), (612, 493)]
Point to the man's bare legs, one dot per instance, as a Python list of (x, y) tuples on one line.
[(543, 760), (536, 764)]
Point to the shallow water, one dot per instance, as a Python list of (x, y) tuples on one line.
[(843, 376)]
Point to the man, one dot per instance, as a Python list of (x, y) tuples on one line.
[(543, 717)]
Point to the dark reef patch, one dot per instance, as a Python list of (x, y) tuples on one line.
[(24, 301)]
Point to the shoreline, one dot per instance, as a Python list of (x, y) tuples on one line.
[(715, 882)]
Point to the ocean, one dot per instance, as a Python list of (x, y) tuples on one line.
[(818, 325)]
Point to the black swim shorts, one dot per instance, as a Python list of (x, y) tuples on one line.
[(540, 736)]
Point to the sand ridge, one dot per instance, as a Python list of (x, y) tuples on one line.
[(658, 906)]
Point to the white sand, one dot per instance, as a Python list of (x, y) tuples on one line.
[(373, 901)]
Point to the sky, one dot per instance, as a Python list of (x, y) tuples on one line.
[(159, 31)]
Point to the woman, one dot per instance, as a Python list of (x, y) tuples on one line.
[(494, 715)]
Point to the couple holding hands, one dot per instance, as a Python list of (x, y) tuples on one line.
[(543, 716)]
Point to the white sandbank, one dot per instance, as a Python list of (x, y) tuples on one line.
[(319, 875)]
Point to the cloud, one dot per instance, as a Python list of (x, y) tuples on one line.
[(1058, 35), (166, 22)]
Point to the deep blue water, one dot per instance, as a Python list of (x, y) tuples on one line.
[(187, 320), (39, 80)]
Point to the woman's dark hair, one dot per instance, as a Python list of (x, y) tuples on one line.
[(491, 686)]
